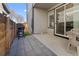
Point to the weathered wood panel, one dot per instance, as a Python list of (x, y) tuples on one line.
[(7, 30)]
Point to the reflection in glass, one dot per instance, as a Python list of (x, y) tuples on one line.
[(60, 20), (51, 22), (72, 16), (69, 17)]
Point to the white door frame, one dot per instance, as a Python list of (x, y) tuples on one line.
[(64, 21)]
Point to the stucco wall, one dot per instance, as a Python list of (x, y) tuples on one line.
[(40, 20)]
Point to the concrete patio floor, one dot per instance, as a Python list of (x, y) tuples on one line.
[(29, 46), (56, 44)]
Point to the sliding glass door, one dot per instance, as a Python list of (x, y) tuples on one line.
[(59, 20), (66, 18)]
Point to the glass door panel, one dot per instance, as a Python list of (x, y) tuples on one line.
[(72, 16), (76, 15), (60, 20), (69, 17)]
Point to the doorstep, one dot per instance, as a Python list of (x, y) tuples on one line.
[(56, 44)]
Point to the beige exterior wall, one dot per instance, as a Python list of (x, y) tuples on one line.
[(40, 20)]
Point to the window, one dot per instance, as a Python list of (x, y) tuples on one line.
[(51, 18), (51, 21)]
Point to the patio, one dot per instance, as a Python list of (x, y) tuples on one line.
[(56, 44)]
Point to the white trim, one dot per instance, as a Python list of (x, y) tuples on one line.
[(60, 6), (54, 6), (55, 21), (48, 19), (61, 35), (64, 21)]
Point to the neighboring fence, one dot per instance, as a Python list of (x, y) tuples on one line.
[(7, 33), (25, 27)]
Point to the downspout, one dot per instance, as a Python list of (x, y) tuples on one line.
[(32, 19)]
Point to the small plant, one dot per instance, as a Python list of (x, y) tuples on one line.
[(26, 34)]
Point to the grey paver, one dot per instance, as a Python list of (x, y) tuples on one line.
[(13, 49), (29, 46)]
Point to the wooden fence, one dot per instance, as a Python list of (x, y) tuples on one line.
[(7, 34)]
